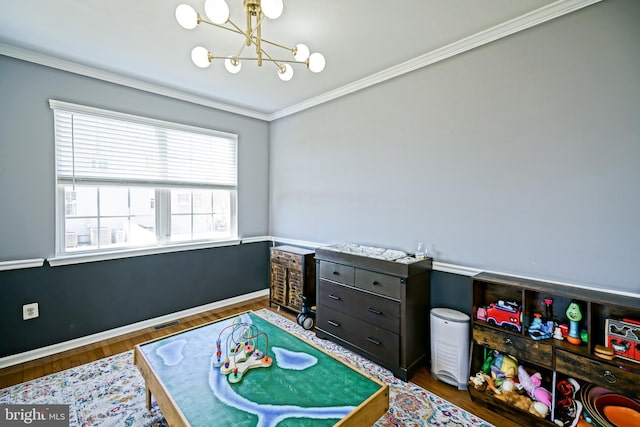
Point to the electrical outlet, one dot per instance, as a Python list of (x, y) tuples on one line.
[(30, 311)]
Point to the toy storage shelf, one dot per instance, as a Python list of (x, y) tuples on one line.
[(505, 327)]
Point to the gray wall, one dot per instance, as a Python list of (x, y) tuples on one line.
[(79, 300), (520, 156), (27, 176)]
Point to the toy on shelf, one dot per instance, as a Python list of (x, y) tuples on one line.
[(623, 337), (532, 385), (548, 302), (539, 330), (557, 333), (506, 314), (242, 350), (504, 366), (575, 315), (568, 407)]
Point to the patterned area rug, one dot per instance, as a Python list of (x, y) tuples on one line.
[(110, 391)]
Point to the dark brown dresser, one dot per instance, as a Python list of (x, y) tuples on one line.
[(375, 307)]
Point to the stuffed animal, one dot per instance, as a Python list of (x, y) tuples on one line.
[(539, 409), (478, 381), (504, 366), (531, 384)]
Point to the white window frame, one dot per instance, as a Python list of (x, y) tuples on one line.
[(63, 258)]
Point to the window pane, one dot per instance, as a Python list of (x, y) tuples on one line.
[(202, 201), (113, 231), (180, 227), (114, 201), (202, 226), (83, 201), (142, 201), (78, 233), (142, 231), (222, 213), (180, 201)]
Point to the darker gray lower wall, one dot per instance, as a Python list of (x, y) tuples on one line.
[(84, 299), (451, 291)]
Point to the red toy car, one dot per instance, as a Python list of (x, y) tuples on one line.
[(506, 314)]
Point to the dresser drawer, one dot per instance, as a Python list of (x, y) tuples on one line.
[(520, 347), (597, 372), (381, 343), (287, 259), (378, 311), (378, 283), (336, 272)]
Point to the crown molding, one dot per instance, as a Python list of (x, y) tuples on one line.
[(523, 22), (84, 70)]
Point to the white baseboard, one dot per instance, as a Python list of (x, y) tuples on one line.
[(90, 339)]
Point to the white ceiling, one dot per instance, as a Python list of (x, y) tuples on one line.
[(141, 44)]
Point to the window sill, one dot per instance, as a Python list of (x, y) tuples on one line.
[(129, 253)]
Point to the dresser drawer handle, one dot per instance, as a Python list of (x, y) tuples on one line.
[(373, 341), (609, 377), (336, 273), (375, 283), (374, 311), (508, 341), (334, 297), (332, 323)]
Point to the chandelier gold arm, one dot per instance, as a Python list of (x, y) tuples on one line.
[(236, 29), (251, 39), (188, 18)]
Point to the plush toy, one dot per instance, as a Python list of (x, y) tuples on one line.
[(511, 395), (504, 366), (531, 384), (539, 409), (478, 381)]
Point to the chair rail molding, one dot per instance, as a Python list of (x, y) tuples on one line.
[(21, 263)]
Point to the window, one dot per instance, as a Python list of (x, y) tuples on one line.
[(128, 182)]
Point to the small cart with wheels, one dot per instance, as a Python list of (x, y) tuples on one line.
[(306, 318)]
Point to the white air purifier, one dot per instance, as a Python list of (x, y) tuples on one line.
[(450, 345)]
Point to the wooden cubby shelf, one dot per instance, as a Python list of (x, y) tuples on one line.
[(503, 310)]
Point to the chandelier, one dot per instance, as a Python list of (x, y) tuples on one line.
[(217, 12)]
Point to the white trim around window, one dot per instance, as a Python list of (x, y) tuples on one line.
[(128, 185), (129, 253)]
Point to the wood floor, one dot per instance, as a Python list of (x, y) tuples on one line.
[(58, 362)]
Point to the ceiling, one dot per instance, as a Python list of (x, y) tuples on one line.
[(139, 43)]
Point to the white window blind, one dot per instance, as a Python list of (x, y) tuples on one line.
[(105, 146)]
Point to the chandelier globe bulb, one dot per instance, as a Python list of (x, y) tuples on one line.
[(186, 16), (233, 64), (272, 9), (200, 56), (316, 62), (217, 11), (285, 72), (301, 52)]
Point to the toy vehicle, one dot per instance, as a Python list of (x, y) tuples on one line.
[(506, 314)]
